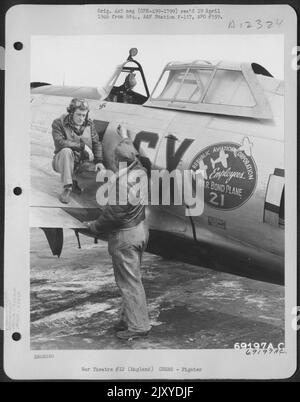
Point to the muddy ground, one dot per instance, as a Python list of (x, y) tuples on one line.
[(74, 302)]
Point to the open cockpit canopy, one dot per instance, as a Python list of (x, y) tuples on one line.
[(222, 88)]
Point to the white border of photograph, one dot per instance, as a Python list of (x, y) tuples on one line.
[(25, 21)]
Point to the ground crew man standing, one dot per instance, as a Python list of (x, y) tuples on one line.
[(128, 236), (75, 139)]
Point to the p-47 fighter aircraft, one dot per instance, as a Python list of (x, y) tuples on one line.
[(225, 119)]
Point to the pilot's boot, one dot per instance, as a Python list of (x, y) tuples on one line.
[(65, 195), (75, 188)]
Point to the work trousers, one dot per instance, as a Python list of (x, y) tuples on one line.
[(63, 163), (126, 248)]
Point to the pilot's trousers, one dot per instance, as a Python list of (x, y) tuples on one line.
[(126, 247), (63, 163)]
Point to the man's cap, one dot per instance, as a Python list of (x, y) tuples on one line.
[(78, 103), (125, 152), (130, 80)]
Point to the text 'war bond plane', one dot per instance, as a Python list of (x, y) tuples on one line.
[(225, 119)]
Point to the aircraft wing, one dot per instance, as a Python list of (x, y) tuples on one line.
[(45, 217)]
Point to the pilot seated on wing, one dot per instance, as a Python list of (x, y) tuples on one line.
[(75, 140)]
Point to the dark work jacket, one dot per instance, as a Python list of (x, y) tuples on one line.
[(64, 136), (117, 216)]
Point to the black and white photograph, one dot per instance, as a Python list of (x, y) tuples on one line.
[(156, 190), (211, 280)]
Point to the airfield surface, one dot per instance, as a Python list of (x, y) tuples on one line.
[(75, 302)]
